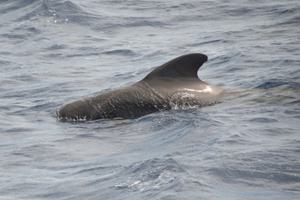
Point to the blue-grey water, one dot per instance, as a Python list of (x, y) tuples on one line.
[(245, 147)]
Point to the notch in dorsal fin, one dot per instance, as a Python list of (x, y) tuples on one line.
[(185, 66)]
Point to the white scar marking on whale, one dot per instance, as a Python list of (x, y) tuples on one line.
[(208, 89)]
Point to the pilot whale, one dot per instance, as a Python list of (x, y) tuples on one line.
[(174, 83)]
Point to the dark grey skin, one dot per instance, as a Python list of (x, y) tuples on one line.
[(174, 83)]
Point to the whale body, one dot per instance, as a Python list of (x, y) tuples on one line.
[(174, 83)]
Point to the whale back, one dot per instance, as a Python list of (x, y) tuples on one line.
[(173, 83)]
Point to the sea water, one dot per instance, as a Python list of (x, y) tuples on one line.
[(245, 147)]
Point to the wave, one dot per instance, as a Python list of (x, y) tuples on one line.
[(150, 175), (278, 83), (124, 52), (60, 12), (250, 175)]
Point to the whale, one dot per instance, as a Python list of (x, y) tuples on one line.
[(173, 84)]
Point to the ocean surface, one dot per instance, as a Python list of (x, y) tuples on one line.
[(56, 51)]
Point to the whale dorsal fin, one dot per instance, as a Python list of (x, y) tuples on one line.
[(185, 66)]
